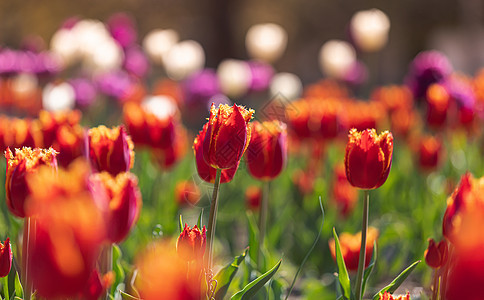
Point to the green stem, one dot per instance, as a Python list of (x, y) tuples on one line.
[(262, 222), (361, 261), (5, 287), (212, 222)]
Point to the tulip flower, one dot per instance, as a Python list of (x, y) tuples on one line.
[(456, 205), (253, 197), (344, 194), (227, 136), (187, 192), (50, 122), (5, 258), (205, 171), (25, 161), (190, 245), (166, 158), (368, 158), (350, 248), (430, 151), (69, 230), (388, 296), (163, 275), (124, 203), (267, 151), (436, 254), (438, 103), (70, 143), (110, 150)]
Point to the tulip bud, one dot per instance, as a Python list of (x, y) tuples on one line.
[(110, 150), (227, 137), (436, 254), (267, 151), (253, 197), (368, 158), (350, 248), (5, 258), (26, 160), (388, 296), (124, 203), (190, 245)]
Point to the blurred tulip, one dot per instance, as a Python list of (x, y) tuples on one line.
[(261, 75), (286, 85), (96, 285), (457, 203), (124, 204), (429, 153), (191, 243), (205, 171), (369, 29), (393, 97), (361, 115), (253, 197), (187, 193), (168, 157), (388, 296), (227, 137), (25, 161), (436, 254), (70, 144), (5, 258), (234, 77), (162, 274), (69, 230), (368, 158), (266, 41), (336, 58), (110, 150), (136, 62), (438, 103), (267, 150), (350, 247), (344, 194), (121, 26)]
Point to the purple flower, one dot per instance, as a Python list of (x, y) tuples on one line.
[(428, 67), (122, 29), (84, 91), (462, 92), (262, 74), (201, 86), (115, 84), (135, 61), (357, 74)]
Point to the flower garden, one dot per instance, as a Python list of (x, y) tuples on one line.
[(133, 172)]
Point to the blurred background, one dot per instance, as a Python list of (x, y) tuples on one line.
[(453, 26)]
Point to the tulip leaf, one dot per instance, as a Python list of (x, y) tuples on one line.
[(253, 237), (5, 287), (117, 269), (200, 220), (126, 296), (368, 270), (343, 277), (181, 224), (19, 291), (225, 276), (252, 288), (397, 281)]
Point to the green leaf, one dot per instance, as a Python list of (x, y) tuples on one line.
[(253, 237), (252, 288), (19, 291), (343, 277), (368, 270), (117, 268), (225, 275), (181, 223), (200, 219), (397, 281), (126, 296), (5, 287)]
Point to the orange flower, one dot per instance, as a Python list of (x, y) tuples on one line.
[(70, 143), (110, 150), (5, 258), (344, 194), (436, 254), (368, 158), (253, 197), (205, 171), (190, 245), (163, 275), (124, 204), (68, 233), (187, 192), (26, 160), (227, 136), (388, 296), (267, 151), (50, 122), (430, 151), (438, 103), (350, 248), (393, 97)]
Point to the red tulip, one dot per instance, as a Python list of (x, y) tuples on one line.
[(267, 151), (438, 103), (253, 197), (350, 248), (436, 254), (368, 158), (227, 136), (344, 194), (388, 296), (187, 192), (456, 205), (26, 160), (5, 258), (205, 171), (124, 204), (430, 150), (190, 245), (110, 150)]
